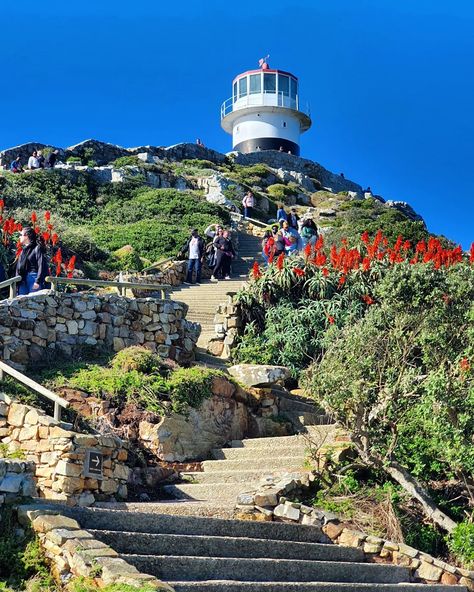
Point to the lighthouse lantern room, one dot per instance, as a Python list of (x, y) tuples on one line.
[(264, 111)]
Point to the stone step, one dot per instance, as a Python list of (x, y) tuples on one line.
[(223, 546), (313, 433), (269, 464), (300, 448), (140, 521), (169, 567), (233, 586), (246, 476), (226, 493)]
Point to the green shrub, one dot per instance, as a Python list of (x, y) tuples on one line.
[(281, 192), (124, 161), (80, 241), (136, 358), (461, 543), (73, 160), (190, 386), (127, 259)]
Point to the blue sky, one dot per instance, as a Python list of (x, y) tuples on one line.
[(390, 83)]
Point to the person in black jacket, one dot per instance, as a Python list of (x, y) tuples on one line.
[(32, 264), (224, 254), (194, 249)]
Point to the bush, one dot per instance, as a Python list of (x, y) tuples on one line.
[(80, 241), (281, 192), (124, 161), (126, 259), (190, 386), (461, 543), (74, 160), (136, 358)]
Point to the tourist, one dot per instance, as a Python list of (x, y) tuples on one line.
[(248, 203), (212, 230), (199, 142), (33, 161), (194, 249), (41, 160), (293, 219), (51, 159), (16, 166), (282, 216), (368, 192), (342, 175), (32, 264), (308, 232), (279, 244), (291, 238), (268, 246), (224, 254)]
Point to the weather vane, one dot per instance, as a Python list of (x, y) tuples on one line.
[(262, 62)]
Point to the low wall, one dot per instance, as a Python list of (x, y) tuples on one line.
[(16, 480), (56, 456), (36, 328)]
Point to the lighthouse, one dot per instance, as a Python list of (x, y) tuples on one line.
[(264, 111)]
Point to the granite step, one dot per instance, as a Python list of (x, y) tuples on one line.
[(233, 586), (269, 464)]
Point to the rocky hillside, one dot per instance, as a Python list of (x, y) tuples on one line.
[(104, 197)]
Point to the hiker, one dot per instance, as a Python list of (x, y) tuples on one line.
[(293, 219), (282, 216), (268, 246), (52, 159), (41, 160), (33, 161), (224, 254), (194, 248), (292, 238), (308, 232), (248, 203), (16, 166), (32, 264)]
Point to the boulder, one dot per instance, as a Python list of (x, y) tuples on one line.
[(259, 375)]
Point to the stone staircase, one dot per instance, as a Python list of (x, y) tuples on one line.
[(203, 299), (247, 462), (196, 554)]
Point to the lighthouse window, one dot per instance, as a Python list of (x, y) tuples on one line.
[(284, 85), (269, 83), (293, 88), (235, 91), (255, 84), (242, 87)]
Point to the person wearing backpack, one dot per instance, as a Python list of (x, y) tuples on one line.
[(32, 264), (268, 246), (248, 203), (309, 232), (194, 248)]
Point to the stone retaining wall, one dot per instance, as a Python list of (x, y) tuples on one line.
[(72, 551), (36, 328), (56, 456), (227, 326), (16, 480)]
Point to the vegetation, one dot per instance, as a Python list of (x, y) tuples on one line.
[(142, 378), (387, 336), (21, 561)]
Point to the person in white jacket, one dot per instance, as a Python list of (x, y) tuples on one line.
[(248, 203)]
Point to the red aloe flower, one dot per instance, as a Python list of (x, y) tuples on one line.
[(280, 261), (298, 271), (471, 255), (2, 204), (54, 238), (34, 217), (319, 243), (368, 299), (256, 273), (465, 365), (47, 216), (365, 237), (331, 319), (325, 271), (366, 264), (342, 280), (307, 250), (46, 236)]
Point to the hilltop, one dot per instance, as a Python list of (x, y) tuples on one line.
[(104, 197)]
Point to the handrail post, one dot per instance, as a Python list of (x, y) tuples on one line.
[(53, 286), (12, 291), (57, 411)]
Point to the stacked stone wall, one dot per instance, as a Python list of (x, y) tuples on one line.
[(16, 480), (56, 457), (36, 328)]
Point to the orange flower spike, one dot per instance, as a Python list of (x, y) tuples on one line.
[(71, 264), (54, 238), (280, 261), (342, 281), (2, 204), (47, 216), (325, 271), (406, 245), (465, 365), (256, 273), (318, 245), (421, 247), (298, 271), (330, 319), (307, 250), (471, 254), (34, 217), (365, 238), (368, 299)]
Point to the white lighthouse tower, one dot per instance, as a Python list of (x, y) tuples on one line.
[(264, 112)]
